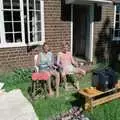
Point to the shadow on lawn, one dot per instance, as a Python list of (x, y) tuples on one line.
[(79, 100)]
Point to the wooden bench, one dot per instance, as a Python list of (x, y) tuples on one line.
[(99, 97)]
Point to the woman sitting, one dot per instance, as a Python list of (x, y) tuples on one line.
[(45, 63), (66, 62)]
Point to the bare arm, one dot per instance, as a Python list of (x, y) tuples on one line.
[(38, 61), (73, 61), (58, 61)]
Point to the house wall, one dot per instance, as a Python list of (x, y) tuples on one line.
[(57, 29), (105, 49), (103, 30)]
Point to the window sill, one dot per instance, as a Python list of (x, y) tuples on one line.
[(9, 45)]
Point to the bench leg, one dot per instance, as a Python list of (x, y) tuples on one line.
[(89, 104)]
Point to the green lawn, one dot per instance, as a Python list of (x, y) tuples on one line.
[(50, 107)]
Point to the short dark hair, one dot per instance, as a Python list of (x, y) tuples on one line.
[(45, 43)]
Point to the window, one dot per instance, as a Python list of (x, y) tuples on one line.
[(116, 35), (22, 22), (12, 21)]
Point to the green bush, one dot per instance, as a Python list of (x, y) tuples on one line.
[(17, 76), (22, 75)]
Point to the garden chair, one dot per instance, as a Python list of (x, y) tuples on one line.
[(39, 80)]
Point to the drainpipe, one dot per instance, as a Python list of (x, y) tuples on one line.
[(91, 32)]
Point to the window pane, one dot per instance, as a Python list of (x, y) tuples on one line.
[(33, 26), (39, 36), (30, 23), (17, 26), (38, 15), (117, 17), (36, 36), (6, 4), (31, 4), (16, 16), (31, 15), (16, 4), (8, 27), (118, 8), (38, 26), (9, 37), (34, 23), (18, 37), (37, 4), (31, 37), (7, 16), (117, 33), (117, 25)]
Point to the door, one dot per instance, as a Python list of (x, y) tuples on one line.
[(80, 29)]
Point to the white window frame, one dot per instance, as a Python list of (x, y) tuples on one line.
[(115, 38), (4, 44)]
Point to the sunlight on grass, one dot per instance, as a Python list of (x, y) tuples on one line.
[(51, 107)]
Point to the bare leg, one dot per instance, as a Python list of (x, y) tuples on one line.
[(65, 80), (49, 87), (79, 71), (57, 75)]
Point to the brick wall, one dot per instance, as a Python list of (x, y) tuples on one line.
[(57, 29), (103, 28), (103, 34), (11, 58), (57, 26)]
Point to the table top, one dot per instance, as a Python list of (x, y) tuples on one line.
[(96, 92), (90, 95)]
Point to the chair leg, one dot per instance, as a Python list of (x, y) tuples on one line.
[(39, 87), (45, 88), (33, 88)]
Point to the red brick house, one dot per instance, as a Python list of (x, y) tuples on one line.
[(88, 25)]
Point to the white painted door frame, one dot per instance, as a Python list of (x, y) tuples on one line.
[(91, 33)]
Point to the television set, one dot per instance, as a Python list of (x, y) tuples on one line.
[(104, 79)]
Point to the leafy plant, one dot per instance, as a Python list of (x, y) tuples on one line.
[(22, 75)]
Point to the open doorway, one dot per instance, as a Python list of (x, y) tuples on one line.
[(81, 30)]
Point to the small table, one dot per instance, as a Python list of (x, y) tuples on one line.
[(92, 100)]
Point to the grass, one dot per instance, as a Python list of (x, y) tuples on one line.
[(51, 107)]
